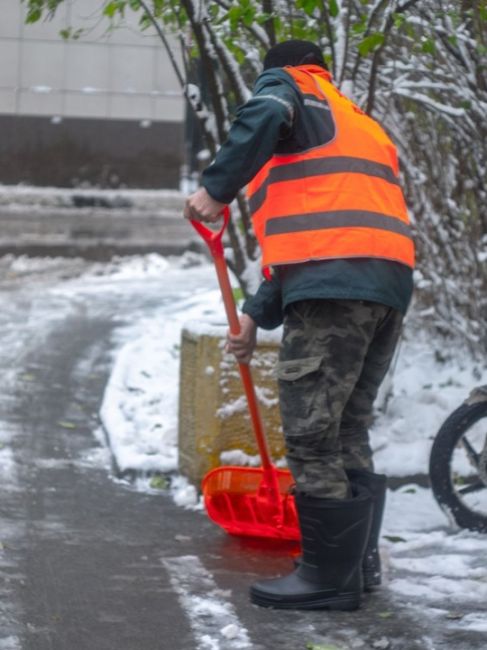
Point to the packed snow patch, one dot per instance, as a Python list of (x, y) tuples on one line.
[(10, 643), (212, 617), (475, 622), (185, 494), (139, 409), (427, 561), (413, 508)]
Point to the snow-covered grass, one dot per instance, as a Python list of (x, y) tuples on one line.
[(425, 389), (140, 407)]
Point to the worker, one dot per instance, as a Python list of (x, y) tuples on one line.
[(330, 217)]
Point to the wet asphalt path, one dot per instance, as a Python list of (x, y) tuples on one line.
[(90, 563)]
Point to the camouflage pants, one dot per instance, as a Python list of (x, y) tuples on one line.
[(333, 358)]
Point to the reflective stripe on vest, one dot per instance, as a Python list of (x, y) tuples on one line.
[(338, 219), (337, 200), (319, 167)]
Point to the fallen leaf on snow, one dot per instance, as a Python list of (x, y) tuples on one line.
[(66, 425)]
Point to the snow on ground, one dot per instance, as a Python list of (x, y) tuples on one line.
[(435, 569), (211, 614), (427, 560)]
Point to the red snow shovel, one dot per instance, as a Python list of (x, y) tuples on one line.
[(246, 501)]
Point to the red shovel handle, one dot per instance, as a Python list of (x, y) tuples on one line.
[(213, 237), (214, 241)]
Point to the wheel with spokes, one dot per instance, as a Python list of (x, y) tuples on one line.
[(458, 463)]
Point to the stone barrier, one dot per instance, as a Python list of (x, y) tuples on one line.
[(214, 424)]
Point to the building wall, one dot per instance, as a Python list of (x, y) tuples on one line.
[(104, 108)]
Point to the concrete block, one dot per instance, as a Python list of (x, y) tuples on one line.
[(169, 108), (131, 69), (130, 107), (86, 104), (12, 19), (165, 78), (40, 103), (213, 415)]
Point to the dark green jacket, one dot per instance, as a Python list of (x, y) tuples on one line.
[(273, 121)]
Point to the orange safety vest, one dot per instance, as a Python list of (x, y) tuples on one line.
[(337, 200)]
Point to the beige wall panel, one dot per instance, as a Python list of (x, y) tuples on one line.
[(42, 64), (9, 62), (126, 61), (32, 103), (11, 21), (85, 105), (128, 32), (130, 107), (131, 69), (88, 15), (168, 108), (87, 66)]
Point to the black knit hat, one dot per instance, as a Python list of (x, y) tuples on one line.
[(294, 52)]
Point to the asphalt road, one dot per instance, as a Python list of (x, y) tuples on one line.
[(90, 563)]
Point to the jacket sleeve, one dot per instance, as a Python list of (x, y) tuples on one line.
[(259, 125), (265, 307)]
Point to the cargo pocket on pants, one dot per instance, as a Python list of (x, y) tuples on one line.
[(298, 388)]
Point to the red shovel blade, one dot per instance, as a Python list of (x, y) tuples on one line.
[(237, 499)]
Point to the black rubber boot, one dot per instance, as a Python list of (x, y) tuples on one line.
[(376, 484), (329, 576)]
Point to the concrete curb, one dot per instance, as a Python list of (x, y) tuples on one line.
[(99, 250), (94, 224), (60, 197)]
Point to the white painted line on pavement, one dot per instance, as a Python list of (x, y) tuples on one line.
[(212, 617)]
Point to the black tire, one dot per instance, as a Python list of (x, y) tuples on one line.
[(463, 495)]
